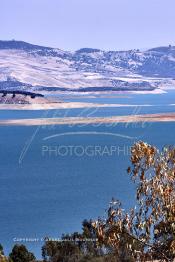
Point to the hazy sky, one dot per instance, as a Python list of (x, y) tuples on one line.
[(105, 24)]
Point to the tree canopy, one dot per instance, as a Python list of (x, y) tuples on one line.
[(148, 230)]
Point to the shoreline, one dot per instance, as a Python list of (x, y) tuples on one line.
[(63, 105), (164, 117), (49, 104), (156, 91)]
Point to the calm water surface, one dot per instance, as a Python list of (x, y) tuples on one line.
[(48, 194)]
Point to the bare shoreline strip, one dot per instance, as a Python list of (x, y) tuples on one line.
[(166, 117), (63, 105)]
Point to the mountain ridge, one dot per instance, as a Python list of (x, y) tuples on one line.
[(23, 44), (40, 66)]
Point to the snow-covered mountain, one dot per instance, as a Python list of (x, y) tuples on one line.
[(27, 66)]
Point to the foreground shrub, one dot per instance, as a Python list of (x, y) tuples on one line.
[(147, 231)]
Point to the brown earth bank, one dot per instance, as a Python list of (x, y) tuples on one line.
[(166, 117)]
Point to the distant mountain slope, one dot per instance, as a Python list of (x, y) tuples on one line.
[(12, 44), (38, 67)]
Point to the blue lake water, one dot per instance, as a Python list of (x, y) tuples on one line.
[(48, 194), (138, 99), (159, 103), (85, 112)]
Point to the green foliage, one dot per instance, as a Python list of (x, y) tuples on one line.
[(1, 250), (21, 254), (74, 247)]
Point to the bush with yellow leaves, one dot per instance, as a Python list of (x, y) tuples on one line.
[(146, 232)]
